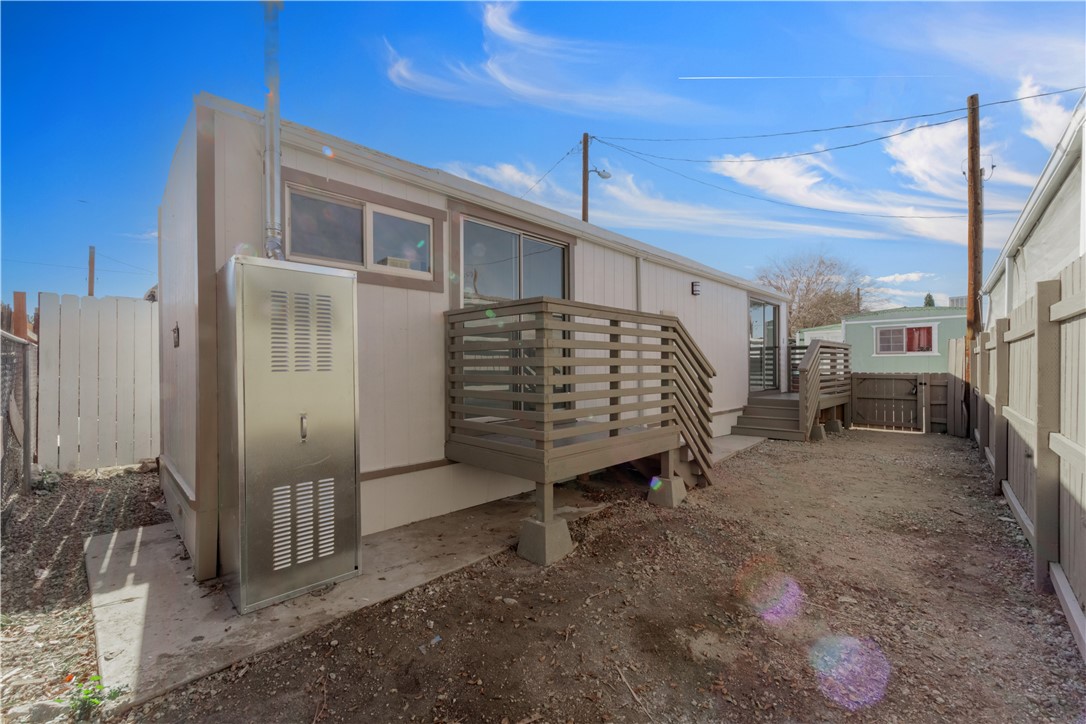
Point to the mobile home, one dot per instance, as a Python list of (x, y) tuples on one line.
[(499, 346), (905, 339)]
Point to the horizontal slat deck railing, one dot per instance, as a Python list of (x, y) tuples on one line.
[(547, 388), (796, 353), (825, 380)]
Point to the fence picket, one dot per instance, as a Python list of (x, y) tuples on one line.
[(156, 422), (48, 380), (88, 383), (126, 380), (107, 381), (141, 372), (69, 382)]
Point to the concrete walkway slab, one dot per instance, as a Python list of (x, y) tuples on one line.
[(726, 446), (156, 628)]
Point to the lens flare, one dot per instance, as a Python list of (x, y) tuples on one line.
[(327, 151), (852, 673), (655, 483), (778, 599), (245, 250), (490, 313)]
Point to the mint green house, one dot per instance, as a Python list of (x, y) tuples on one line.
[(906, 339)]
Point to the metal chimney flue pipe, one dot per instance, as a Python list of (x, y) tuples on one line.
[(273, 212)]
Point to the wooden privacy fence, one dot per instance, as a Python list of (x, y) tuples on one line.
[(98, 393), (900, 401), (1030, 399)]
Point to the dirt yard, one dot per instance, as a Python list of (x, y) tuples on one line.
[(45, 616), (871, 577)]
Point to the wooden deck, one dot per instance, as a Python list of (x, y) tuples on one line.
[(546, 389), (824, 381)]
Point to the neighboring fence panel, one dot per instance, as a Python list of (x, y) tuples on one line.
[(98, 404), (1019, 411), (890, 400), (1036, 387), (1070, 441)]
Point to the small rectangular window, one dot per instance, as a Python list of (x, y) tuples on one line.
[(918, 339), (891, 341), (327, 229), (491, 268), (400, 243)]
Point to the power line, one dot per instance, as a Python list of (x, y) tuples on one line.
[(80, 268), (569, 153), (787, 155), (107, 256), (787, 203), (844, 127)]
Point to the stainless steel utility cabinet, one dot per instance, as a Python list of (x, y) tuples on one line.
[(288, 411)]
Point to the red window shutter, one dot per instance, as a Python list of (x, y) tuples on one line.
[(918, 339)]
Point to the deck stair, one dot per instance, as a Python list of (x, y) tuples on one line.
[(774, 418)]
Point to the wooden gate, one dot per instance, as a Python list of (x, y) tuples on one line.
[(900, 401), (98, 390)]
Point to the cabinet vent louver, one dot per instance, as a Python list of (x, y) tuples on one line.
[(301, 330), (324, 333), (280, 332), (303, 522)]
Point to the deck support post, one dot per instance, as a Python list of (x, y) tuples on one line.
[(818, 432), (669, 489), (833, 425), (544, 539)]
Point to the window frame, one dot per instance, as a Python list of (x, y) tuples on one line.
[(460, 210), (320, 195), (521, 235), (314, 186), (903, 328), (367, 252)]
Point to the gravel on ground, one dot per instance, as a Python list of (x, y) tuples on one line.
[(870, 577), (46, 627)]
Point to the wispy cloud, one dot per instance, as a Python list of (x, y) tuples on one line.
[(905, 277), (624, 202), (993, 46), (929, 161), (1046, 116), (525, 67), (146, 236)]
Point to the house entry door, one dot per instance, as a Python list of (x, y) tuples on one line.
[(764, 349)]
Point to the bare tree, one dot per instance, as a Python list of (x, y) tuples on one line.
[(821, 289)]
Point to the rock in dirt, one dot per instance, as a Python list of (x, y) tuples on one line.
[(39, 712)]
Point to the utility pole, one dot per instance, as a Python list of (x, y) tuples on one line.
[(976, 230), (90, 273), (584, 177)]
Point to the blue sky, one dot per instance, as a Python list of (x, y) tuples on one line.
[(93, 97)]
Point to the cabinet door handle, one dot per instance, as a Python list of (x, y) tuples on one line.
[(305, 426)]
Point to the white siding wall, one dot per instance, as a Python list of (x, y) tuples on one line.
[(1052, 245), (177, 306), (718, 320), (605, 276)]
